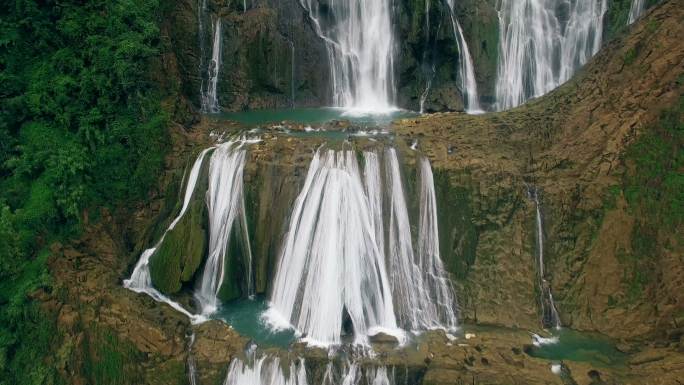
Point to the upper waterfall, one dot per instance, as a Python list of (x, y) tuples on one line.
[(360, 43), (466, 70), (542, 43), (636, 10)]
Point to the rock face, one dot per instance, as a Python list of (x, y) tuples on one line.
[(258, 49)]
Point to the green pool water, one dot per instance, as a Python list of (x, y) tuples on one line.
[(582, 347), (312, 116), (244, 315)]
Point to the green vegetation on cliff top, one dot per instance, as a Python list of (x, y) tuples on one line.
[(80, 129)]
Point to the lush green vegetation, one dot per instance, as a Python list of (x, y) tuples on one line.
[(80, 128), (654, 188)]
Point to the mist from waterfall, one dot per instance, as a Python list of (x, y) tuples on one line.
[(636, 10), (466, 71), (548, 306), (333, 264), (226, 207), (359, 40), (542, 43), (209, 94)]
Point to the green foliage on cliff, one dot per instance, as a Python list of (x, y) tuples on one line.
[(80, 128), (654, 188)]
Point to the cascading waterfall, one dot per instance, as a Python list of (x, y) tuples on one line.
[(226, 206), (428, 83), (466, 70), (417, 300), (636, 10), (192, 366), (549, 311), (360, 46), (333, 261), (542, 43), (141, 280), (209, 96), (353, 374), (265, 371), (435, 277)]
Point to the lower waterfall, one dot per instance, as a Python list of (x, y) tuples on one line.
[(549, 312), (268, 370), (225, 203), (141, 280), (265, 371), (335, 264), (226, 206), (331, 263)]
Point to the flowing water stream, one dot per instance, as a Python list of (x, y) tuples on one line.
[(550, 315)]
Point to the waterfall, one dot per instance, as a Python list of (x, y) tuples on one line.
[(435, 277), (354, 374), (210, 102), (359, 40), (417, 299), (192, 366), (292, 74), (265, 371), (542, 43), (428, 83), (226, 206), (466, 70), (331, 264), (636, 10), (550, 313), (140, 280)]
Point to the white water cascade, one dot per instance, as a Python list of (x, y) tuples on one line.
[(423, 298), (360, 45), (333, 264), (140, 280), (636, 10), (226, 206), (550, 313), (542, 43), (265, 371), (353, 374), (428, 83), (466, 71), (209, 95)]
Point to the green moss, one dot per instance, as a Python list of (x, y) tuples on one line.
[(458, 234), (630, 56), (653, 186), (110, 360), (182, 250)]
